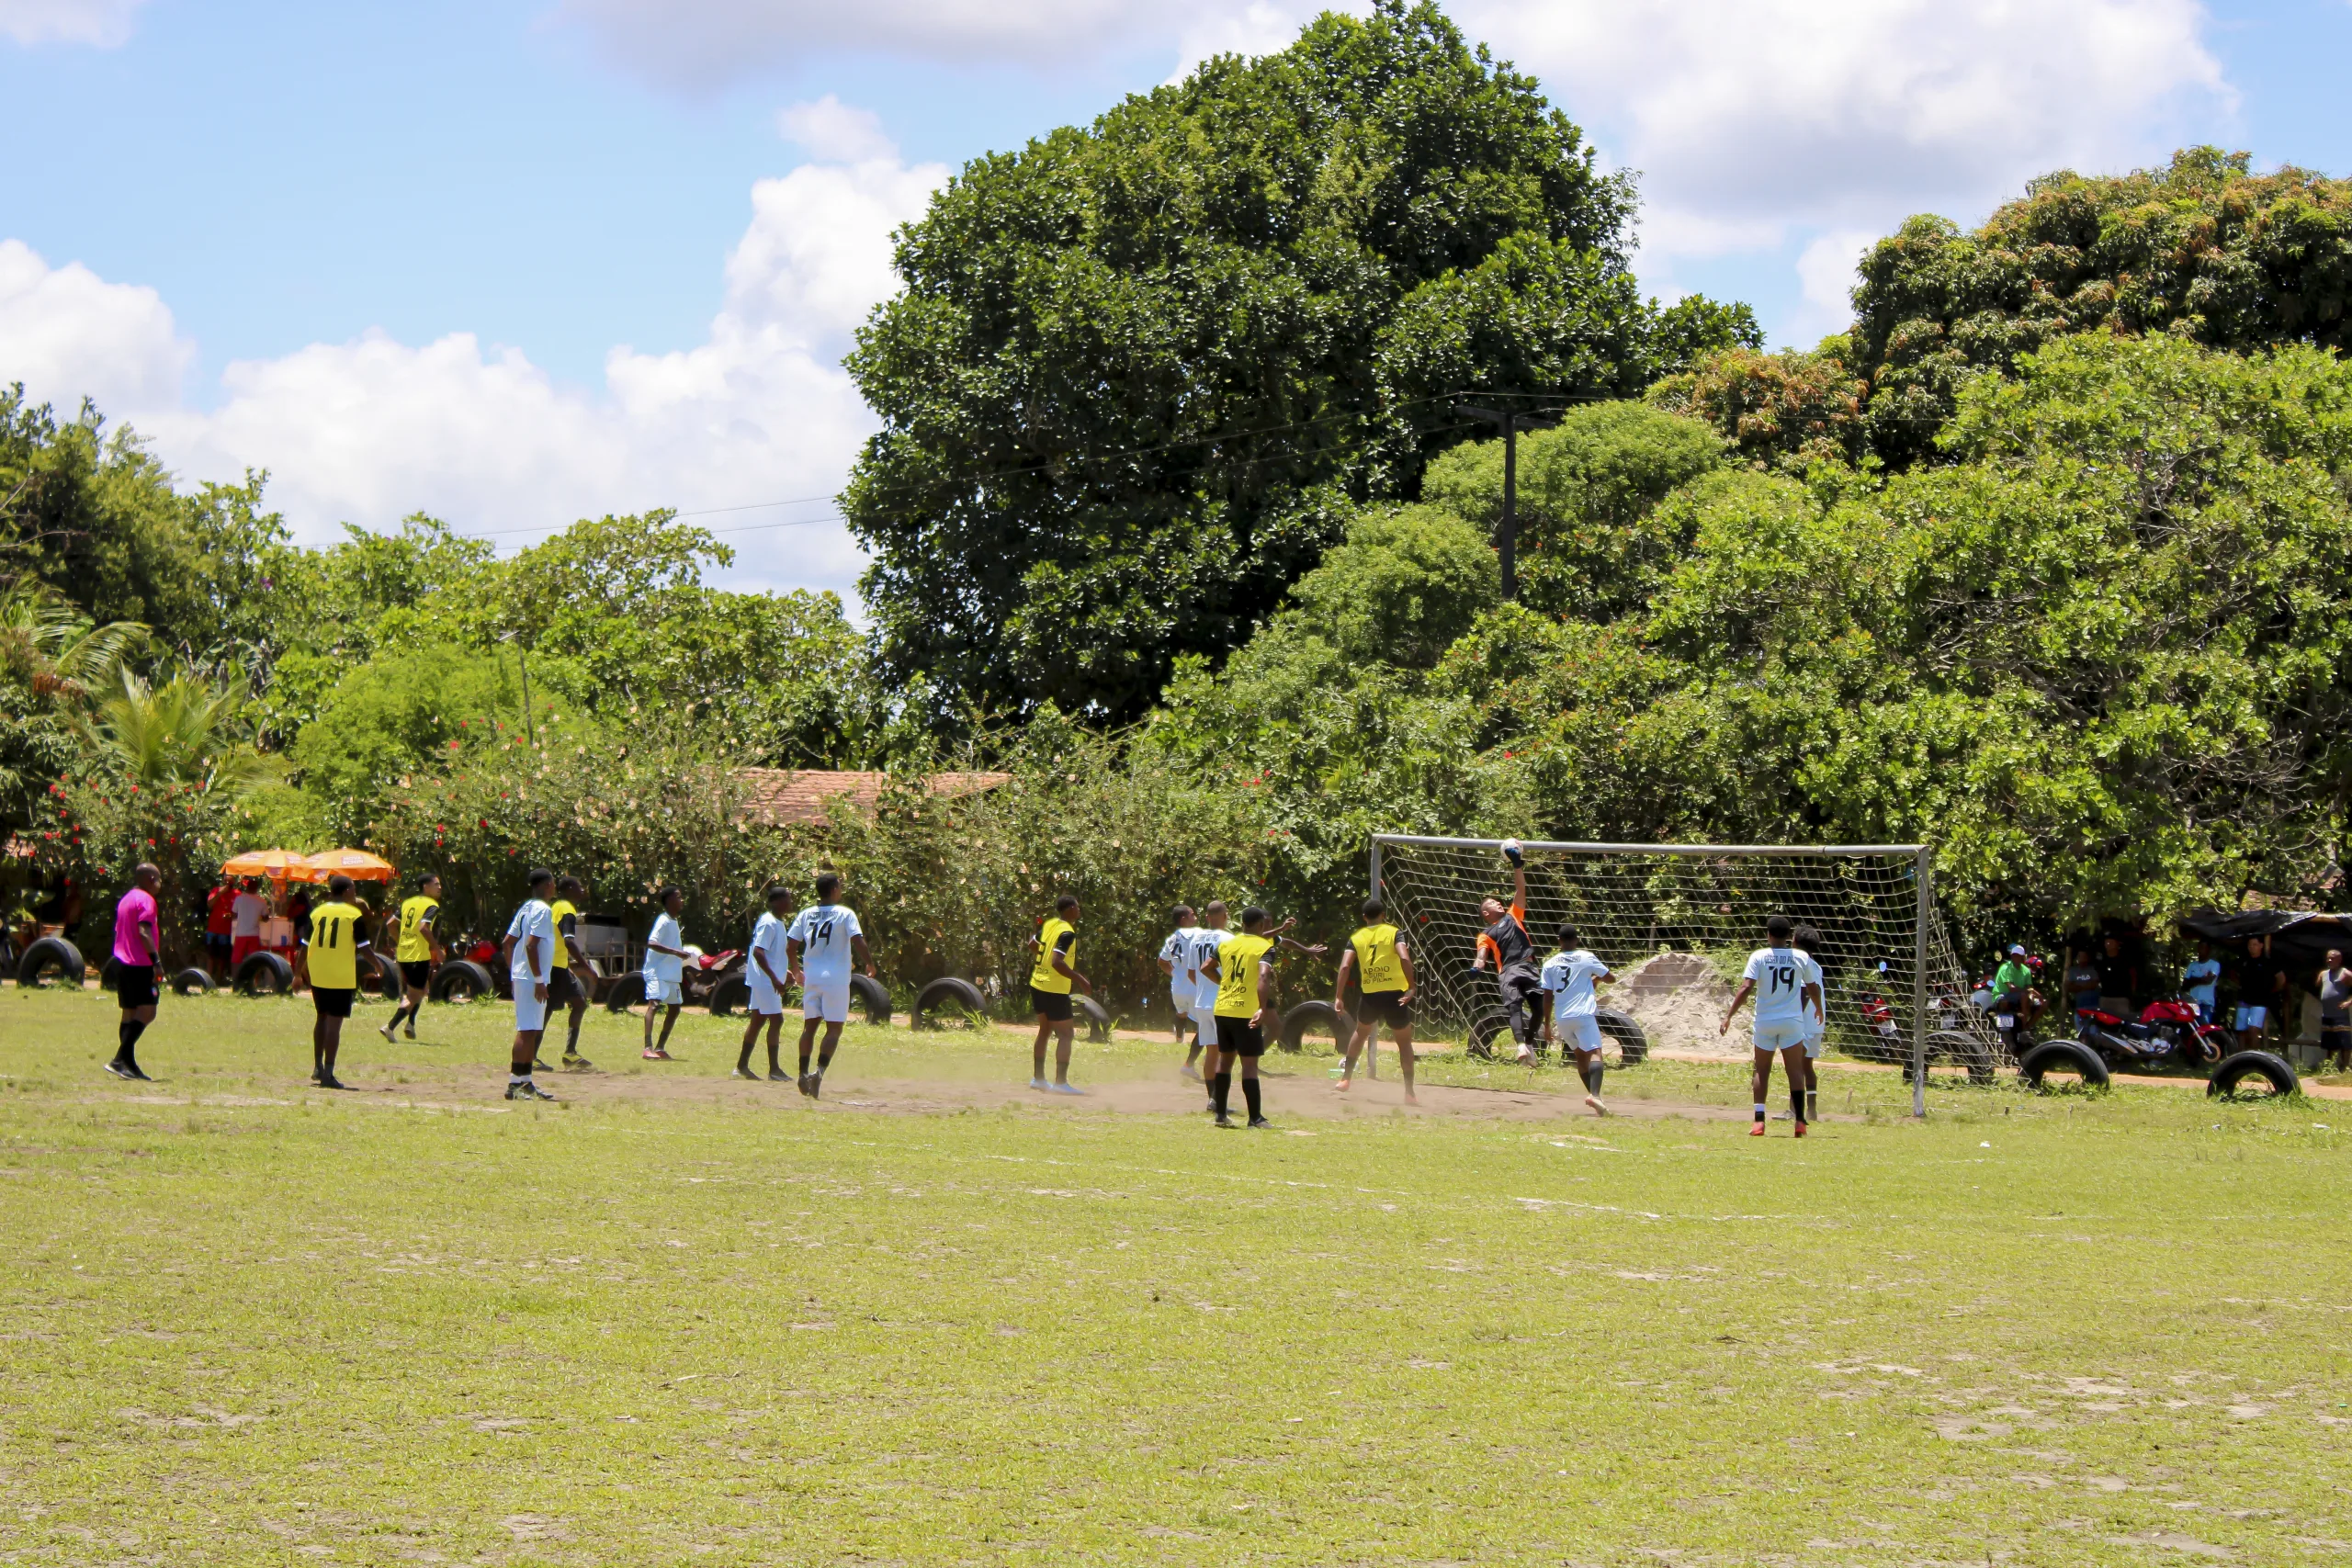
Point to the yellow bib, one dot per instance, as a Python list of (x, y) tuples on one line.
[(561, 908), (1236, 962), (1046, 977), (413, 948), (335, 943), (1376, 966)]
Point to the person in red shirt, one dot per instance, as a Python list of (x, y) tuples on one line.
[(219, 923)]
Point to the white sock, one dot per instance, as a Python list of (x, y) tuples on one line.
[(515, 1078)]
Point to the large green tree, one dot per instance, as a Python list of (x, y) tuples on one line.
[(2203, 249), (1140, 373)]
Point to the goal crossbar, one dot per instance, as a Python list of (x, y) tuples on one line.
[(1921, 856)]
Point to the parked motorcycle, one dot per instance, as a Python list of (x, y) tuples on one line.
[(2169, 1034)]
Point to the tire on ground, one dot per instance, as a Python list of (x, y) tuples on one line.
[(193, 982), (49, 955), (733, 992), (2064, 1056), (2236, 1068), (1092, 1013), (1315, 1015), (950, 993), (873, 996), (1484, 1030), (1970, 1051), (624, 991), (461, 980), (264, 975), (388, 977), (1631, 1042), (109, 973)]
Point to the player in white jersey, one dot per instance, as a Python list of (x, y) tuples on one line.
[(766, 968), (1570, 975), (1176, 962), (1783, 982), (665, 965), (1808, 940), (824, 937), (1207, 937)]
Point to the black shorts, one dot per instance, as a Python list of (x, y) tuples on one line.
[(1053, 1006), (217, 941), (2335, 1033), (134, 986), (333, 1001), (1384, 1006), (415, 971), (562, 987), (1239, 1037)]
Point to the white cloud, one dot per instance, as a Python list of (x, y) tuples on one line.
[(370, 430), (67, 334), (105, 23), (1825, 274), (832, 130)]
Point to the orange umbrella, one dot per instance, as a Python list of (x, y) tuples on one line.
[(357, 865), (279, 866)]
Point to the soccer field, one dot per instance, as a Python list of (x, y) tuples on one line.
[(677, 1319)]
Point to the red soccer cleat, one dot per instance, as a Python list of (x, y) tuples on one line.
[(1756, 1130)]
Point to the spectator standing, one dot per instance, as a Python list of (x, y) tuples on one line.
[(2083, 982), (2336, 1009), (246, 912), (219, 925), (2118, 979), (2200, 982), (2262, 987)]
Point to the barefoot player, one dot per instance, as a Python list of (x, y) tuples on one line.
[(767, 970), (1049, 988), (1377, 956), (564, 988), (1782, 981), (665, 964), (823, 941), (334, 969)]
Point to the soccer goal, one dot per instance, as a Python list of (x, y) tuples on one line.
[(1676, 922)]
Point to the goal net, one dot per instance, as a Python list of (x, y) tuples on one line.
[(1676, 923)]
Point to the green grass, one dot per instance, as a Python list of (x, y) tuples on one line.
[(246, 1321)]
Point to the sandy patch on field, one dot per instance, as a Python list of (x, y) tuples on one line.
[(1679, 1004)]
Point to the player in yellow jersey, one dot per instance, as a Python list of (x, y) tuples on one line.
[(564, 988), (1049, 988), (334, 944), (1379, 959), (418, 951), (1244, 971)]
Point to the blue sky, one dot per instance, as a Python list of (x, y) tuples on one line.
[(515, 260)]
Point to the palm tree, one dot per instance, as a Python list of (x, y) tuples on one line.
[(185, 731), (58, 652)]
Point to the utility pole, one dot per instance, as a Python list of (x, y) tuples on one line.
[(1506, 536)]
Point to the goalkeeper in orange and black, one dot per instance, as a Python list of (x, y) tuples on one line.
[(1505, 939)]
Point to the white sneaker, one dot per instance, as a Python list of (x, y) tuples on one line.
[(1040, 1085), (1063, 1089), (1190, 1072), (1526, 1057)]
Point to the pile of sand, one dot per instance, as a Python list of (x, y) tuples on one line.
[(1678, 1002)]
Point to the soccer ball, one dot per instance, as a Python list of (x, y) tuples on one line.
[(1514, 851)]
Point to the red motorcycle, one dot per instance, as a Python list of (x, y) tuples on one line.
[(2168, 1034)]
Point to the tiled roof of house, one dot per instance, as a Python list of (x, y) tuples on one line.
[(798, 795)]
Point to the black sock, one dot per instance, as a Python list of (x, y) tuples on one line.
[(1220, 1090), (1796, 1102), (571, 1043), (127, 1050), (1250, 1093), (1592, 1079)]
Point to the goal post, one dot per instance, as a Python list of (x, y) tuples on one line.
[(1677, 920)]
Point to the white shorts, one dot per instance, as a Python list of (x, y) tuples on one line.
[(826, 999), (1816, 1035), (1581, 1033), (663, 993), (1205, 1020), (764, 997), (1776, 1037), (529, 1011)]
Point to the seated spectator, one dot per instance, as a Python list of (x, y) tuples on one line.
[(2200, 982)]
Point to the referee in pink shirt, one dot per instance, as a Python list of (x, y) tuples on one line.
[(137, 943)]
